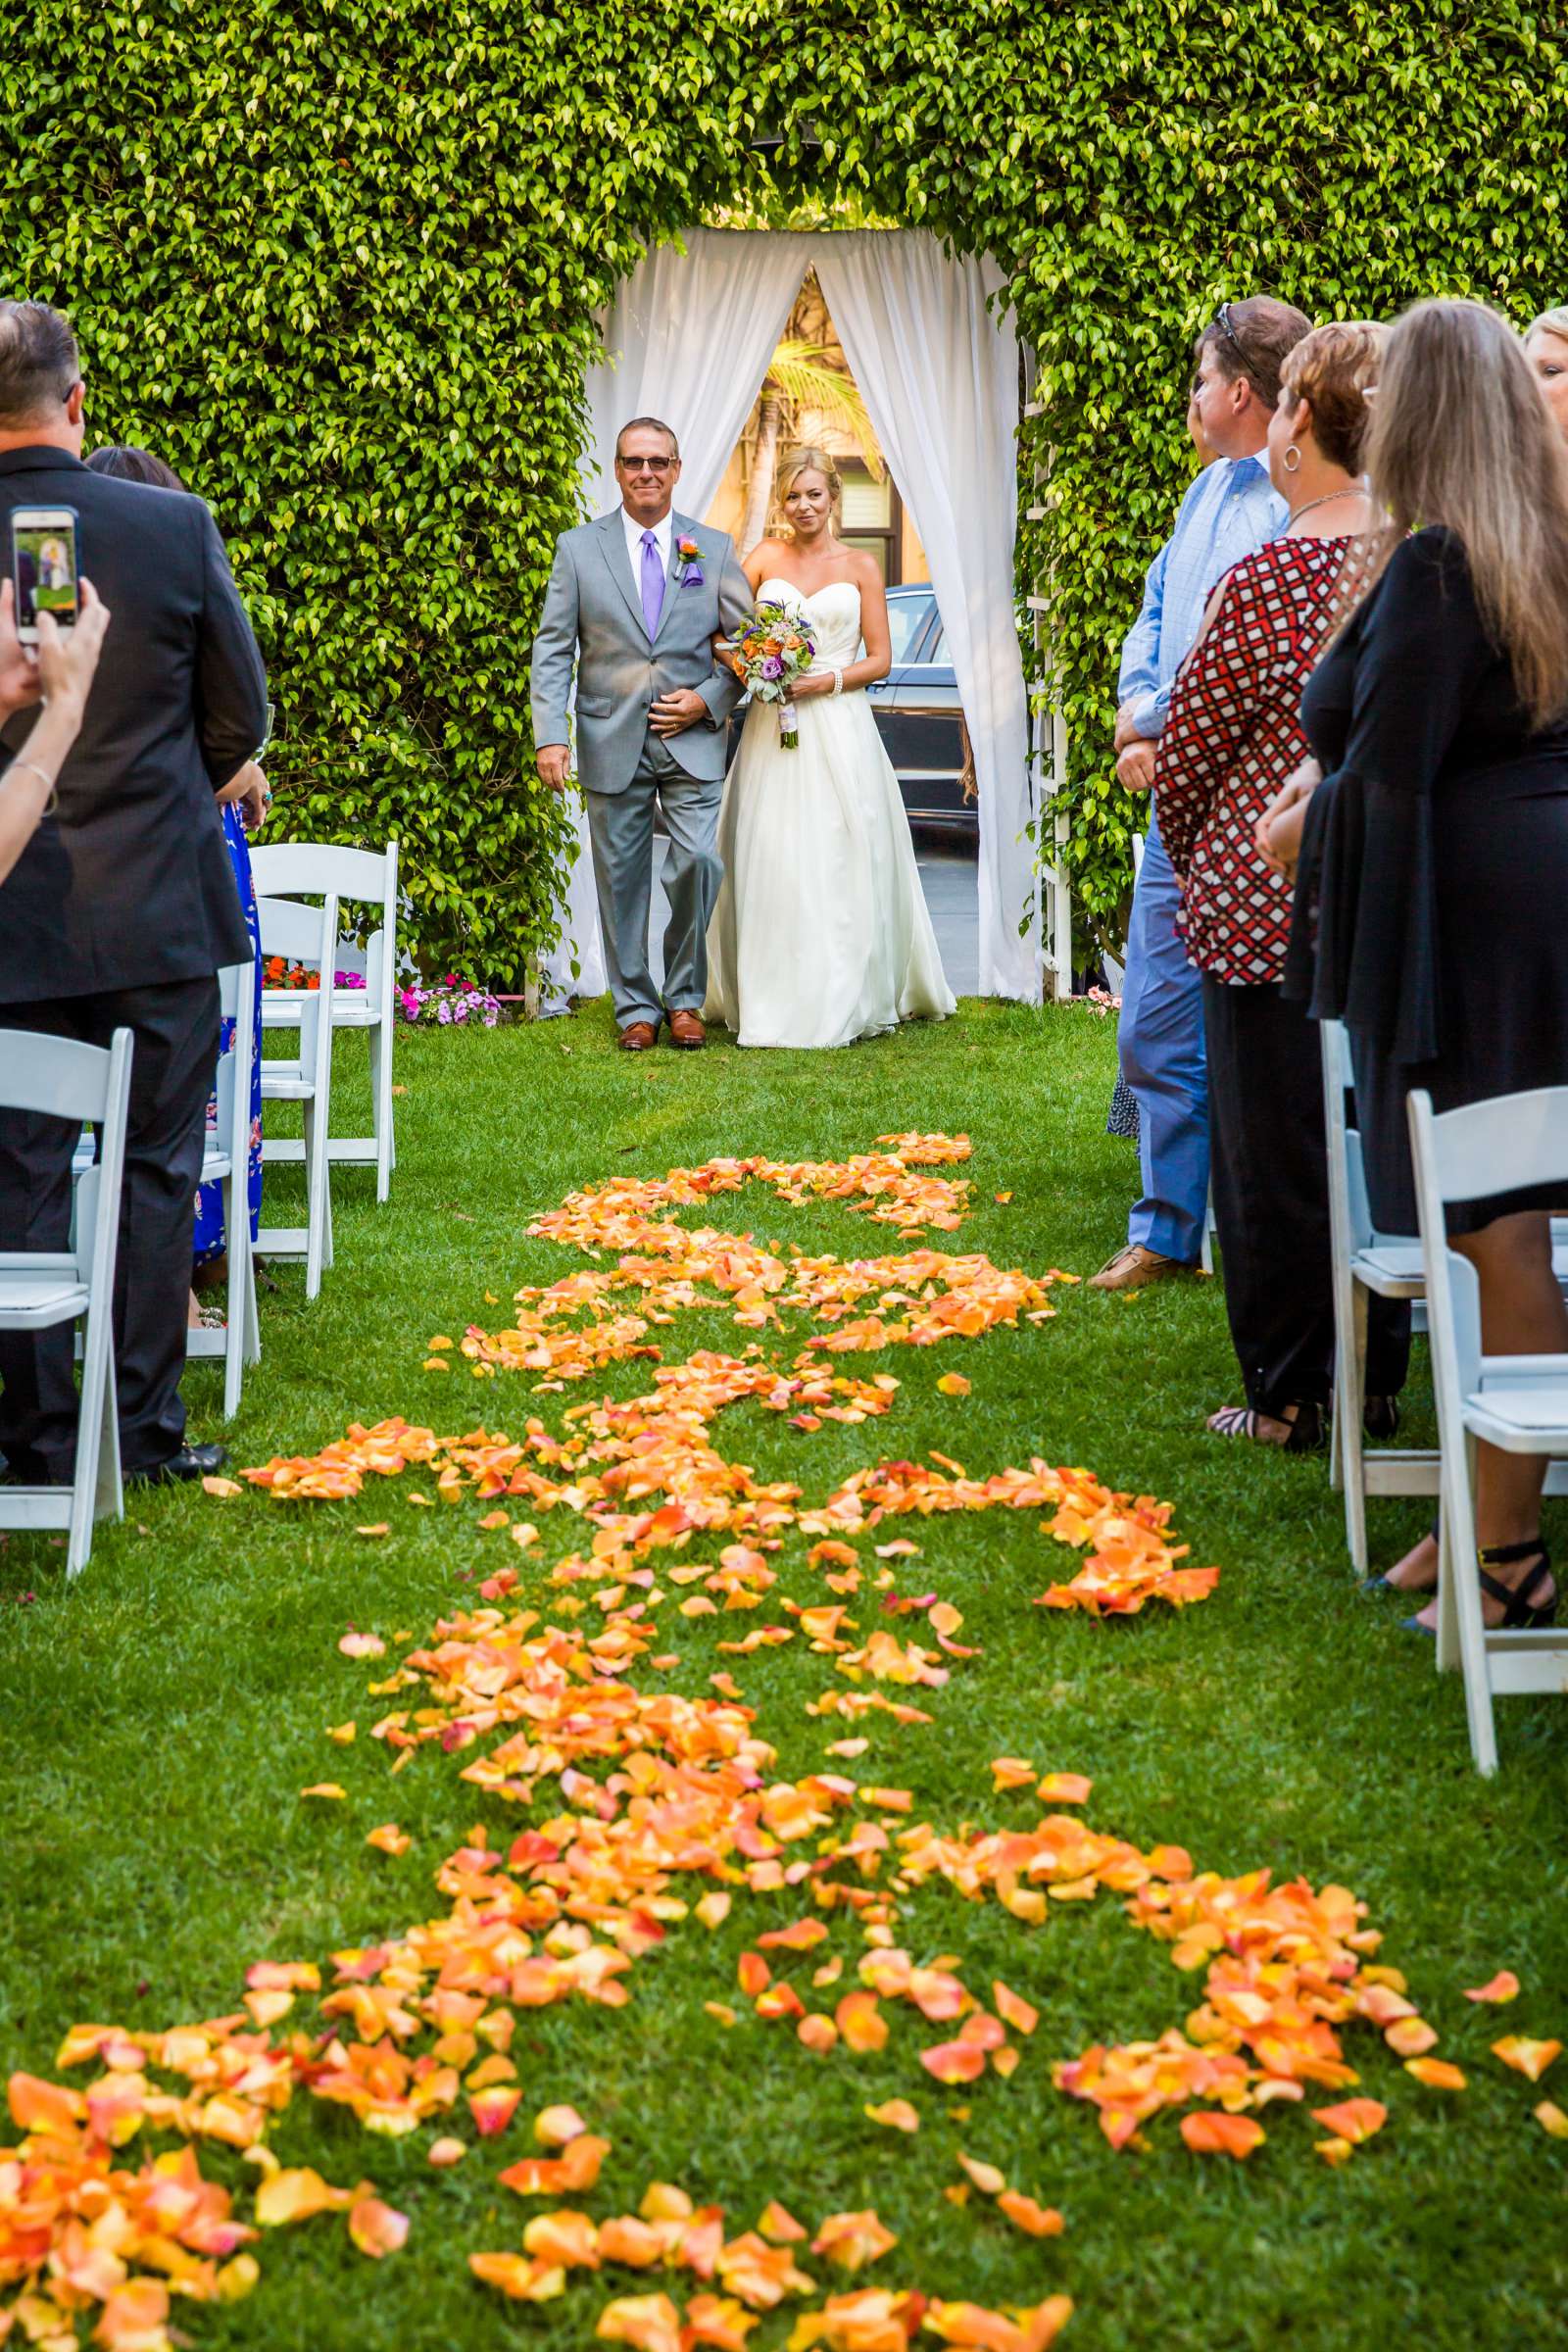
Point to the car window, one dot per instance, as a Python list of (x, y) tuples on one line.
[(906, 618), (940, 655)]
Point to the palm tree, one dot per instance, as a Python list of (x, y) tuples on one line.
[(800, 378)]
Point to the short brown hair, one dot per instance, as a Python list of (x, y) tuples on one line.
[(1252, 339), (38, 361), (1334, 367), (651, 424)]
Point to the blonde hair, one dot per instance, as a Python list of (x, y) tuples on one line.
[(1461, 437), (807, 460), (1549, 322), (1334, 367)]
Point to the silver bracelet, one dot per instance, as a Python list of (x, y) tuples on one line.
[(838, 684), (53, 801)]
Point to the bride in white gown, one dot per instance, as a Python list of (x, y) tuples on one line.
[(820, 933)]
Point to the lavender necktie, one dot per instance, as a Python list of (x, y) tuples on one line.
[(653, 582)]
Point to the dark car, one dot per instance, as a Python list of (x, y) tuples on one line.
[(917, 713)]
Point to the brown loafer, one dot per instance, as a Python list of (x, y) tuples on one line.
[(686, 1030), (1134, 1266), (638, 1036)]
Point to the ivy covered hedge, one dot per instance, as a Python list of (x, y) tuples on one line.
[(339, 265)]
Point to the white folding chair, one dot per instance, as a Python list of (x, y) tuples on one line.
[(68, 1080), (1370, 1264), (300, 868), (1367, 1264), (227, 1162), (1518, 1403), (304, 935)]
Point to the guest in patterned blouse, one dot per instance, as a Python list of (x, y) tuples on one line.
[(1230, 740)]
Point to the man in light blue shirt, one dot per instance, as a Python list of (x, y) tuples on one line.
[(1229, 513)]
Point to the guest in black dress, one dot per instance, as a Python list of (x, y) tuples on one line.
[(1433, 883)]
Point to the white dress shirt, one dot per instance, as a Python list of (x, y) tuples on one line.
[(663, 531)]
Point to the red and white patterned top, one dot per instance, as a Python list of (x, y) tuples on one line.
[(1232, 737)]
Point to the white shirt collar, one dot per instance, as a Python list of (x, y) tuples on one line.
[(663, 533)]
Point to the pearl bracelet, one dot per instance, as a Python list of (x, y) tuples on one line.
[(838, 683), (42, 773)]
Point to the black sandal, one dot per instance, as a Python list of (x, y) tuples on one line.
[(1241, 1420), (1381, 1584), (1517, 1612)]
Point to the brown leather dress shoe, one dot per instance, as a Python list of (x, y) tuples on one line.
[(1131, 1268), (686, 1030), (638, 1036)]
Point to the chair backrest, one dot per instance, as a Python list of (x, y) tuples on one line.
[(1454, 1287), (237, 996), (1350, 1210), (1473, 1153), (69, 1080), (295, 868), (56, 1075), (292, 868), (1498, 1146), (300, 934)]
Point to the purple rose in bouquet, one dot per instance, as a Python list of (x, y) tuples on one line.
[(774, 649)]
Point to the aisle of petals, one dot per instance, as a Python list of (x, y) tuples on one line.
[(652, 1812)]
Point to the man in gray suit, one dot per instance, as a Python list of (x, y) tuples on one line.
[(636, 598)]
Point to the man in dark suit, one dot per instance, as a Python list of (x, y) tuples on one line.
[(122, 907)]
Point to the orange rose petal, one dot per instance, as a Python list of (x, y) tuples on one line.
[(954, 2061), (1354, 2119), (1012, 2009), (376, 2228), (1040, 2221), (1503, 1987), (1525, 2056), (897, 2114), (1209, 2133), (1435, 2072)]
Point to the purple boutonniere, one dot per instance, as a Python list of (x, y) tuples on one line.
[(691, 563)]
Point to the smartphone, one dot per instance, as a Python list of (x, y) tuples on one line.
[(44, 567)]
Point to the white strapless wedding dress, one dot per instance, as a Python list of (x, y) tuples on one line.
[(820, 934)]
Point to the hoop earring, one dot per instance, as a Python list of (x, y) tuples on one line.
[(1293, 457)]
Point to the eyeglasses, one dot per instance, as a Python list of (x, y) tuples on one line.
[(1222, 320), (646, 465)]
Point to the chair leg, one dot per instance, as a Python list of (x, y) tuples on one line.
[(111, 1485), (1459, 1548), (381, 1117), (315, 1198), (89, 1442), (234, 1334), (1349, 1404), (253, 1320)]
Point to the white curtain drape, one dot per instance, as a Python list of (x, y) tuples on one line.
[(689, 340), (939, 373)]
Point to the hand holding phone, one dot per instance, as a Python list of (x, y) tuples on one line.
[(44, 567)]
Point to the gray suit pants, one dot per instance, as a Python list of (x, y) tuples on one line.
[(620, 828)]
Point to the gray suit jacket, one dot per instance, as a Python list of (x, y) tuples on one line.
[(594, 615)]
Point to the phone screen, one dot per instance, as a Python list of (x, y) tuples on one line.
[(44, 567)]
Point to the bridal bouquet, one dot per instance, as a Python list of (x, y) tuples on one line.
[(774, 649)]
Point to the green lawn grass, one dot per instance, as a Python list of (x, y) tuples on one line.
[(158, 1720)]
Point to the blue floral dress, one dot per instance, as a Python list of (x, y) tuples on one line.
[(210, 1238)]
